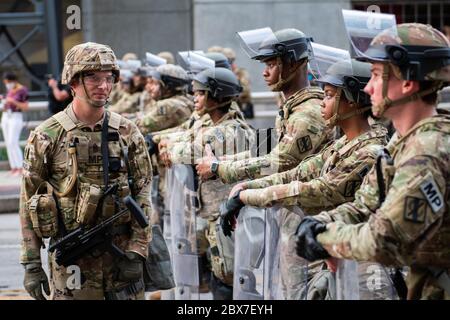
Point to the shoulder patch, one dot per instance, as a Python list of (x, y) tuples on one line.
[(432, 194), (415, 210), (304, 144)]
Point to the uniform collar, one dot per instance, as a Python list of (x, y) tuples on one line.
[(80, 124)]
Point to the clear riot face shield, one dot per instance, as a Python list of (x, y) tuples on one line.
[(194, 61), (421, 62), (263, 43), (152, 60), (362, 27), (256, 275), (183, 207), (330, 65)]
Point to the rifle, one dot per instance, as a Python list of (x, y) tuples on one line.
[(80, 241)]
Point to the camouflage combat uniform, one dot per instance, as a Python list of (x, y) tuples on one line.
[(166, 113), (411, 227), (128, 103), (319, 182), (301, 132), (47, 159), (222, 137)]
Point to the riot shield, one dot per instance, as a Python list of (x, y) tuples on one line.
[(347, 281), (363, 281), (248, 283), (256, 260), (183, 204), (272, 276)]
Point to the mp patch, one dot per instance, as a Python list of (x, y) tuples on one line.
[(431, 192), (304, 144), (415, 209)]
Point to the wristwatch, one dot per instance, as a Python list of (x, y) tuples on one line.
[(214, 166)]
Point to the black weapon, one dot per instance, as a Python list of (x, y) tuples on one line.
[(80, 241)]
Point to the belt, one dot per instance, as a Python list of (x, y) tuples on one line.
[(126, 292)]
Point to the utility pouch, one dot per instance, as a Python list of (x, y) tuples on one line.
[(43, 211), (87, 202)]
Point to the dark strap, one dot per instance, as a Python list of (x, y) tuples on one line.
[(383, 154), (105, 153), (127, 292)]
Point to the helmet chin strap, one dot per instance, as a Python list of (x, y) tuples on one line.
[(339, 117), (88, 99), (205, 109), (281, 82), (379, 109)]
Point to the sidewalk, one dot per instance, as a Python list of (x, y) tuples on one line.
[(9, 192)]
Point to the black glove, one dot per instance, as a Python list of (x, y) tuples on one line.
[(151, 145), (229, 211), (307, 245), (130, 268), (35, 280)]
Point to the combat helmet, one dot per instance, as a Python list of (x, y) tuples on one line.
[(173, 78), (219, 83), (89, 56), (350, 78)]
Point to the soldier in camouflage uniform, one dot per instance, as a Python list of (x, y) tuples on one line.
[(128, 102), (64, 179), (400, 215), (331, 177), (173, 107), (300, 127), (215, 90)]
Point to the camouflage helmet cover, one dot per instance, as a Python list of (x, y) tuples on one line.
[(170, 75), (420, 51), (89, 56)]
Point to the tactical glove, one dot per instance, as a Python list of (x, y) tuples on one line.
[(307, 245), (229, 212), (130, 267), (35, 280)]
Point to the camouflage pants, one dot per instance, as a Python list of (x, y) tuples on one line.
[(293, 268), (375, 282), (89, 279)]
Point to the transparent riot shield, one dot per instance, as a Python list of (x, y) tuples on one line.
[(359, 280), (194, 61), (256, 257), (154, 60), (249, 254), (347, 280), (183, 224), (272, 276)]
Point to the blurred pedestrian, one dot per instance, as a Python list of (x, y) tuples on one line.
[(16, 102)]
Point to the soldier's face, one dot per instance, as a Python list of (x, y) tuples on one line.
[(98, 87), (148, 85), (199, 100), (271, 71), (328, 101), (155, 88), (397, 88)]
